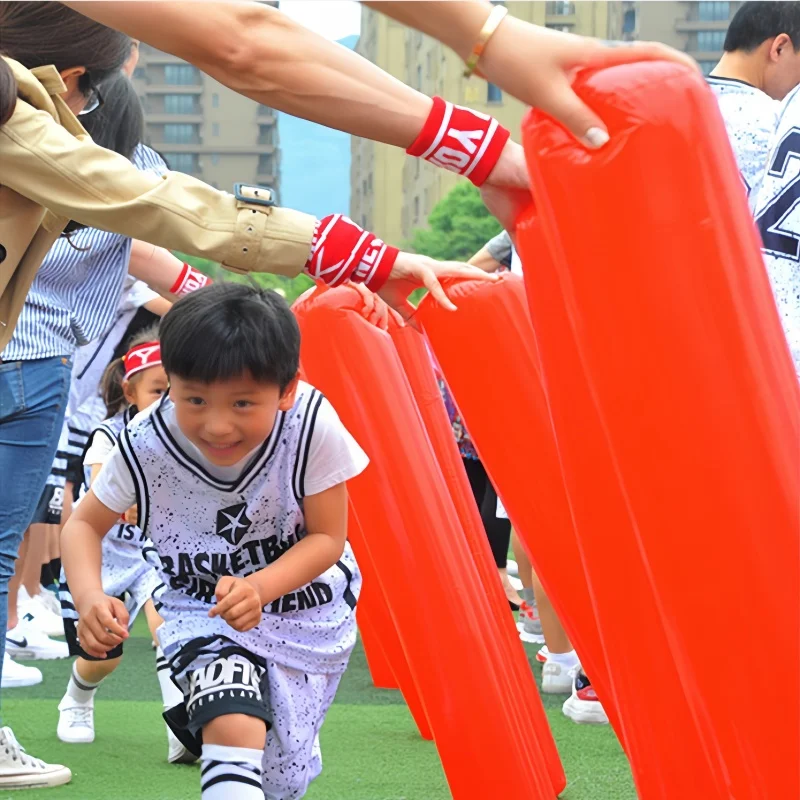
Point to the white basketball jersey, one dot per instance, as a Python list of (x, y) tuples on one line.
[(205, 528), (777, 211), (750, 118)]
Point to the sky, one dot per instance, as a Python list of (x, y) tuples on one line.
[(333, 19)]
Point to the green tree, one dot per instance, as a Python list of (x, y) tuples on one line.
[(290, 288), (459, 226)]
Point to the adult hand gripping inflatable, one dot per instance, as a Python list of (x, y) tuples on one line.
[(677, 414), (411, 531)]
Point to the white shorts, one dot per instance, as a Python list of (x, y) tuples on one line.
[(219, 678)]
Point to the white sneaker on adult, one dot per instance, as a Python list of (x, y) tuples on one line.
[(44, 618), (556, 679), (75, 721), (50, 599), (27, 641), (178, 754), (16, 675), (18, 770)]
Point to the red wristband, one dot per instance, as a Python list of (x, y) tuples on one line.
[(462, 140), (342, 250), (190, 280)]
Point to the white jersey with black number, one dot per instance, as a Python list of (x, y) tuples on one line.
[(777, 211), (750, 118), (204, 528)]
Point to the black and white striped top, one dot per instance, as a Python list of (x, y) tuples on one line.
[(74, 296)]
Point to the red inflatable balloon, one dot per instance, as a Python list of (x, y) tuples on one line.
[(488, 357), (418, 366), (411, 530), (677, 414)]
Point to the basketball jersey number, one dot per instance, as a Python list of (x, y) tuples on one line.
[(782, 241)]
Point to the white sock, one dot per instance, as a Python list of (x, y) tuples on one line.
[(170, 693), (80, 689), (568, 660), (229, 772)]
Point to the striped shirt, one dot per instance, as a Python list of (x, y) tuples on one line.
[(74, 296)]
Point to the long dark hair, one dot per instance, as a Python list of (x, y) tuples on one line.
[(41, 33), (117, 125)]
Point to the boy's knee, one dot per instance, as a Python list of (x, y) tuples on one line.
[(236, 730)]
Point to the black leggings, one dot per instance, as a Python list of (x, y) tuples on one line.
[(498, 531)]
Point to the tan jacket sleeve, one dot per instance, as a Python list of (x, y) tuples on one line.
[(76, 179)]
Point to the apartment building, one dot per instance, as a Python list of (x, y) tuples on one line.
[(391, 194), (203, 128)]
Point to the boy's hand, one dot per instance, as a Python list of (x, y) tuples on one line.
[(131, 516), (102, 623), (238, 603)]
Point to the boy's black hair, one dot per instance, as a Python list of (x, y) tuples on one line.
[(227, 330), (755, 22)]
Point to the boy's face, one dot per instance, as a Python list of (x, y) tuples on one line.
[(228, 419)]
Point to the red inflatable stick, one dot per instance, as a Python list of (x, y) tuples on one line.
[(379, 634), (677, 414), (418, 366), (411, 530), (488, 357)]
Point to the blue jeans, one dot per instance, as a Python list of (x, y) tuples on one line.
[(33, 399)]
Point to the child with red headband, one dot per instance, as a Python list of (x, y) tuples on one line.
[(131, 383)]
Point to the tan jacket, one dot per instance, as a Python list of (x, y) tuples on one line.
[(51, 172)]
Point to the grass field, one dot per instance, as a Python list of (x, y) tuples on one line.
[(370, 747)]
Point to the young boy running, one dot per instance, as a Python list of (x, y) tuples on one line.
[(239, 477)]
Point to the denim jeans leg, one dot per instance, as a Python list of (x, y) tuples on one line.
[(33, 398)]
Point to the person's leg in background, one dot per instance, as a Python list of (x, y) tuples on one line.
[(478, 481), (498, 531), (33, 398), (33, 599)]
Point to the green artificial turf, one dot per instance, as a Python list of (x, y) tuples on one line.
[(371, 749)]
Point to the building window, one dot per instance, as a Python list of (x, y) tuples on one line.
[(215, 100), (426, 206), (713, 12), (181, 162), (429, 64), (181, 74), (140, 73), (707, 66), (560, 9), (176, 133), (178, 104), (710, 41), (215, 128), (265, 111), (265, 165), (416, 209), (369, 182), (266, 134), (494, 94), (215, 158), (562, 28), (629, 21), (419, 77)]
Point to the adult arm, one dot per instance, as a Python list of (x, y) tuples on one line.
[(259, 52)]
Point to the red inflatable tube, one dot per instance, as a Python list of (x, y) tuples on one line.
[(488, 357), (416, 361), (378, 633), (677, 413), (411, 530)]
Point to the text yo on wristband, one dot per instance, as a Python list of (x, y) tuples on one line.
[(460, 140)]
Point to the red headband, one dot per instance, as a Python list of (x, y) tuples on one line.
[(143, 356)]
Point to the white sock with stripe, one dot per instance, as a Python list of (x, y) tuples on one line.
[(80, 689), (229, 772), (170, 693)]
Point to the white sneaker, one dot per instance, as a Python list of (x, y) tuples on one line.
[(50, 599), (18, 770), (27, 641), (584, 706), (44, 618), (556, 679), (178, 754), (75, 721), (16, 675)]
